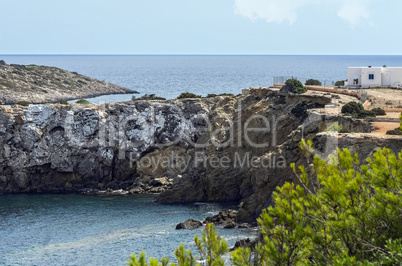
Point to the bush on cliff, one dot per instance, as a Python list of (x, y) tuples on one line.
[(294, 86), (398, 130), (23, 103), (83, 101), (340, 83), (342, 213), (148, 97), (313, 82), (378, 111), (188, 95), (356, 110)]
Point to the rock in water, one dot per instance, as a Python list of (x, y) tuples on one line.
[(189, 224)]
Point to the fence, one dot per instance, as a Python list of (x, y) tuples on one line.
[(282, 80)]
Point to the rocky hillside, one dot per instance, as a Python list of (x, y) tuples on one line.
[(42, 84), (216, 149)]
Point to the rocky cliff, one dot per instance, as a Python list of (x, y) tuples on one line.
[(216, 149), (42, 84)]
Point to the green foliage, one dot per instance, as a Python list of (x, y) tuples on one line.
[(341, 212), (400, 121), (340, 83), (313, 82), (210, 247), (141, 261), (83, 101), (23, 103), (211, 95), (63, 102), (347, 215), (187, 95), (294, 86), (352, 108), (357, 110), (334, 127), (398, 130), (148, 97), (378, 111)]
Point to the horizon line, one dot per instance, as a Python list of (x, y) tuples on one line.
[(67, 54)]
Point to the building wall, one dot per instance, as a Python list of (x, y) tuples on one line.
[(366, 82), (396, 76), (383, 76)]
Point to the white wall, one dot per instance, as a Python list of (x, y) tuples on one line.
[(352, 71), (396, 75), (366, 82), (383, 76)]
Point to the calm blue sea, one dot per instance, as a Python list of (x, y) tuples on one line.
[(168, 76), (96, 230), (104, 230)]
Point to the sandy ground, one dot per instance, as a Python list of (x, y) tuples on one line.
[(383, 127)]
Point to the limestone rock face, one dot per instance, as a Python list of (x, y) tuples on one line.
[(71, 148), (215, 149)]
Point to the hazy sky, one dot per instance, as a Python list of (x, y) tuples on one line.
[(201, 27)]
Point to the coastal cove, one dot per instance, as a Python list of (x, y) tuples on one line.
[(197, 155), (70, 229)]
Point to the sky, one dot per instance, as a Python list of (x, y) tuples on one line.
[(294, 27)]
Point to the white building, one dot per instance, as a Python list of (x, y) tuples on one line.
[(366, 77)]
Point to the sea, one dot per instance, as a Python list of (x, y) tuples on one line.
[(69, 229)]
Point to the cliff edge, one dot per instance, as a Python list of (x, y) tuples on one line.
[(43, 84)]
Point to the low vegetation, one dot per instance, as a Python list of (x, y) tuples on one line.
[(313, 82), (356, 110), (63, 102), (83, 101), (211, 95), (23, 103), (294, 86), (148, 97), (340, 83), (378, 111), (335, 127), (343, 213), (398, 130), (188, 95)]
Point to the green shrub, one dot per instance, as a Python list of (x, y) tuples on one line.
[(148, 97), (334, 127), (398, 130), (188, 95), (83, 101), (340, 83), (313, 82), (211, 248), (378, 111), (294, 86), (23, 103), (211, 95), (342, 212), (63, 102), (352, 108)]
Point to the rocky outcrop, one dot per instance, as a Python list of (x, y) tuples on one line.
[(189, 224), (72, 148), (227, 219), (216, 149), (42, 84)]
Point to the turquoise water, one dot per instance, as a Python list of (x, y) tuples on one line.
[(54, 229)]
